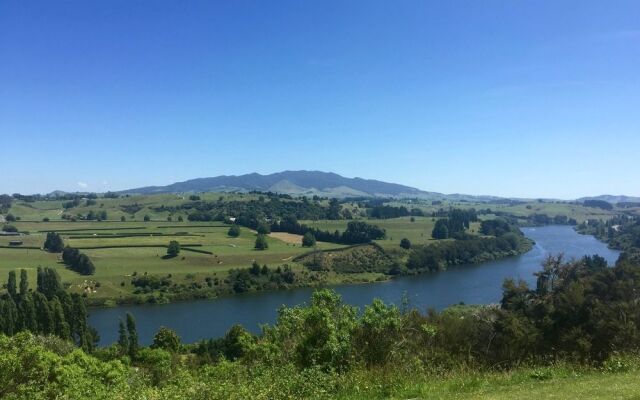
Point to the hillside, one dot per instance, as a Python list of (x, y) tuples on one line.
[(613, 199), (291, 182)]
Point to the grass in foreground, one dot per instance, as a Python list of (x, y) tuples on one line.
[(538, 383)]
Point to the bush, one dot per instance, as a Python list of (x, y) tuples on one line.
[(261, 242), (173, 249), (9, 228), (166, 339), (308, 240), (234, 231), (405, 243)]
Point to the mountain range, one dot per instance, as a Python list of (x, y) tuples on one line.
[(297, 183)]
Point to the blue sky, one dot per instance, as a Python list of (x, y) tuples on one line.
[(512, 98)]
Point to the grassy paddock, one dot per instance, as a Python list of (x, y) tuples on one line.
[(119, 249)]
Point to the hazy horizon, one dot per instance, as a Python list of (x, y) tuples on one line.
[(529, 100)]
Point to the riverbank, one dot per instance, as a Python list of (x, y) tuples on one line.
[(470, 284), (360, 264)]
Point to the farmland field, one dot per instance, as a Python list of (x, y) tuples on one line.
[(132, 239), (139, 247), (418, 231)]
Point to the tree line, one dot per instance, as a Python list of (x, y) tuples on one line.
[(453, 223), (357, 232), (49, 310)]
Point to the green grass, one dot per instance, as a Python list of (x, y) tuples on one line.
[(418, 232), (561, 383), (115, 266)]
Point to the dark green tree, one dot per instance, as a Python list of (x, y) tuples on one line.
[(133, 336), (173, 249), (255, 268), (123, 337), (44, 316), (12, 288), (440, 230), (308, 240), (234, 231), (261, 242), (405, 243), (24, 283), (27, 314), (263, 228), (48, 282), (53, 243), (60, 324), (166, 339)]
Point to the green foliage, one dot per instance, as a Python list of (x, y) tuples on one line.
[(405, 243), (440, 230), (53, 243), (261, 242), (263, 228), (166, 339), (9, 228), (318, 335), (470, 250), (308, 240), (173, 249), (234, 231), (132, 336), (78, 261)]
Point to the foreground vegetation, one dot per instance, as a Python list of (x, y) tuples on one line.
[(34, 367), (574, 334)]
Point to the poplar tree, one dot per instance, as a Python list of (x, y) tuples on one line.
[(60, 324), (12, 284), (133, 336), (123, 339), (43, 314), (24, 283)]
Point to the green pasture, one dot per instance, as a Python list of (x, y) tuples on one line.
[(116, 264), (418, 231)]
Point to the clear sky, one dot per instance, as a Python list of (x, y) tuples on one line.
[(511, 98)]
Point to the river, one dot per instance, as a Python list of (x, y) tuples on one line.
[(471, 284)]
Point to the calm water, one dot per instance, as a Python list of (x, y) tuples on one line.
[(471, 284)]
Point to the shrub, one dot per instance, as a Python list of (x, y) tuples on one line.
[(308, 240), (261, 242), (173, 249), (234, 231)]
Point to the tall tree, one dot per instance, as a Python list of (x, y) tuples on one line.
[(261, 242), (12, 284), (27, 312), (60, 324), (440, 230), (24, 283), (133, 336), (43, 314), (123, 338), (53, 243)]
